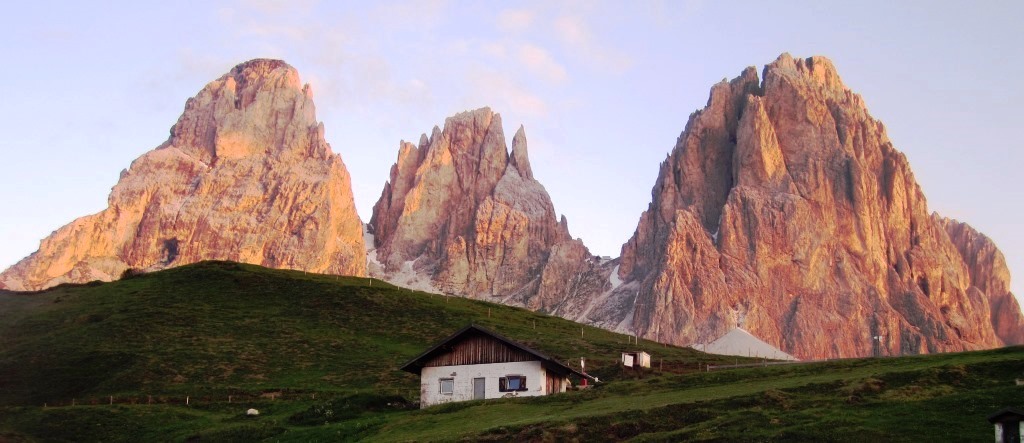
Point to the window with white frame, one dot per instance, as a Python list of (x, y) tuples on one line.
[(512, 383), (447, 386)]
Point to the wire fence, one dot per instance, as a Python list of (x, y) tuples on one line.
[(753, 365)]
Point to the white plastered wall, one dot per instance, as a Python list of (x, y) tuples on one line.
[(430, 381)]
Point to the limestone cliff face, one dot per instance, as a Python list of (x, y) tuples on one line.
[(462, 211), (989, 276), (785, 209), (245, 176)]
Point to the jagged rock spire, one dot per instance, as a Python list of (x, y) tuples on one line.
[(520, 156), (468, 217)]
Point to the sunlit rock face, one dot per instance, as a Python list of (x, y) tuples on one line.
[(989, 275), (785, 209), (245, 176), (469, 217)]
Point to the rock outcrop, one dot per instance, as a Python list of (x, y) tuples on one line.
[(246, 175), (989, 275), (468, 217), (785, 209)]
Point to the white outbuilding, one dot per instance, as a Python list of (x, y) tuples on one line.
[(476, 363), (636, 359), (1009, 425)]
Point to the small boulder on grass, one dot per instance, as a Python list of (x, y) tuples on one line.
[(252, 412)]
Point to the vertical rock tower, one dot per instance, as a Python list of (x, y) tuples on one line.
[(246, 175), (466, 215), (785, 209)]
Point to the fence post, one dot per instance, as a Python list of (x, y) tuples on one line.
[(111, 399), (186, 400), (229, 399)]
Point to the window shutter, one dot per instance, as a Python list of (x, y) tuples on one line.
[(522, 383)]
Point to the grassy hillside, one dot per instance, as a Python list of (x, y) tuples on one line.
[(318, 356)]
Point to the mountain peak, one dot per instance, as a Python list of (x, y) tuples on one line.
[(243, 113), (262, 73), (260, 66), (469, 218), (245, 175), (785, 207), (818, 70)]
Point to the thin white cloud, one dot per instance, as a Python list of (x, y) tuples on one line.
[(578, 38), (515, 20), (669, 13), (226, 14), (337, 56), (191, 62), (502, 92), (275, 7), (494, 50), (420, 13), (458, 47), (539, 62), (573, 31)]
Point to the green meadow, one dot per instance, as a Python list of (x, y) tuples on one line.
[(180, 355)]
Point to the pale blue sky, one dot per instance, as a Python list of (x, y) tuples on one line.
[(603, 89)]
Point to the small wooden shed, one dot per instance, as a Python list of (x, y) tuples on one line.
[(476, 363), (636, 359), (1009, 424)]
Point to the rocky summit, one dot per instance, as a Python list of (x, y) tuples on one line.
[(462, 215), (785, 209), (245, 176)]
